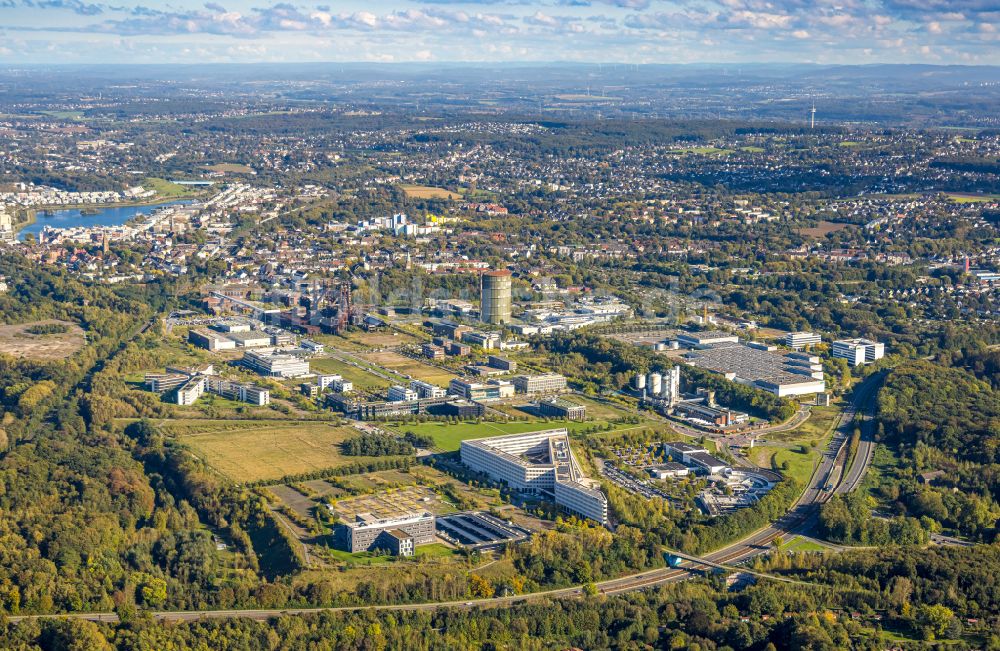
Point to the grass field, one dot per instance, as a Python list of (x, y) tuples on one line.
[(165, 189), (256, 450), (361, 379), (817, 429), (704, 151), (17, 342), (449, 436), (230, 168), (800, 464), (799, 544), (753, 150), (428, 192), (972, 198), (822, 229), (380, 339), (408, 366)]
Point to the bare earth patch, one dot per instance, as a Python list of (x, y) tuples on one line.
[(822, 229), (15, 340)]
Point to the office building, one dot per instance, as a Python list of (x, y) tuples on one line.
[(495, 305), (210, 340), (427, 390), (238, 391), (312, 346), (253, 339), (335, 383), (231, 326), (501, 363), (273, 363), (800, 340), (492, 390), (544, 383), (669, 470), (430, 351), (559, 408), (401, 533), (165, 382), (696, 457), (189, 393), (361, 410), (399, 393), (858, 351), (538, 463), (461, 409), (451, 329), (485, 340)]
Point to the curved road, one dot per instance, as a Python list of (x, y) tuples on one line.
[(801, 518)]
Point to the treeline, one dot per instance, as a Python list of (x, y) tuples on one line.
[(861, 600), (898, 581), (376, 444), (553, 559), (848, 520)]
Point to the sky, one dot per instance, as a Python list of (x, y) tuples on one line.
[(630, 31)]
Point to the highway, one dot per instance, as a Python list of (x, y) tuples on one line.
[(801, 518), (866, 448)]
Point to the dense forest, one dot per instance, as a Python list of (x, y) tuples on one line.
[(859, 600), (943, 424)]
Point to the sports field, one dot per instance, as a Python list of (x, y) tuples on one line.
[(256, 450)]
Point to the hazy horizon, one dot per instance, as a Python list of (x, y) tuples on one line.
[(494, 31)]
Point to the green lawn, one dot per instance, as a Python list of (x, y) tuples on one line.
[(449, 436), (819, 424), (799, 544), (704, 151), (167, 190), (973, 198), (361, 379)]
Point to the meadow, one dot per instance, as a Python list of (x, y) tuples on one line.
[(246, 451), (428, 192)]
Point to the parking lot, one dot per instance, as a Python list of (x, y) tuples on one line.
[(479, 530), (643, 488)]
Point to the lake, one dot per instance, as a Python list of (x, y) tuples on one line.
[(104, 216)]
